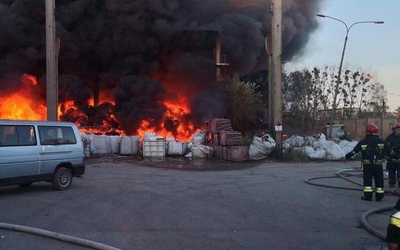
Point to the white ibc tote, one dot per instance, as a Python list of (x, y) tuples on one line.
[(101, 144), (129, 145), (115, 141)]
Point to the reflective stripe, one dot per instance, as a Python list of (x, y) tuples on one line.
[(380, 146), (368, 189), (394, 221), (378, 162), (396, 215), (380, 191)]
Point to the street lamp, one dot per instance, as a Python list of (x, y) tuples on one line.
[(340, 66)]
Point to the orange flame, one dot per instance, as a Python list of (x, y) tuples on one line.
[(175, 112), (18, 107), (103, 97), (21, 105)]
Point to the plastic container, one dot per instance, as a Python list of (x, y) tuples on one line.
[(154, 148), (129, 145)]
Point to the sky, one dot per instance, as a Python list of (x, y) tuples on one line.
[(374, 47)]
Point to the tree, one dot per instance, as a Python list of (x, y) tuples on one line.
[(243, 102), (356, 91), (306, 93), (377, 101)]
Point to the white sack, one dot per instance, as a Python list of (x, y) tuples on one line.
[(319, 139), (333, 151), (314, 154), (347, 146), (202, 151), (199, 138), (261, 147), (307, 150), (295, 141)]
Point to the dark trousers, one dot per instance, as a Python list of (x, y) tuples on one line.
[(375, 172), (394, 172)]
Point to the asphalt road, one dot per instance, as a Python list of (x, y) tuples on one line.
[(203, 204)]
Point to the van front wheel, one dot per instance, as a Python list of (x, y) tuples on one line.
[(62, 179)]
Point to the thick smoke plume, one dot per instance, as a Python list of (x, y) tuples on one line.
[(144, 52)]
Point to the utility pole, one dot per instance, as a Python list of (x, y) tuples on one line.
[(219, 63), (275, 71), (51, 63)]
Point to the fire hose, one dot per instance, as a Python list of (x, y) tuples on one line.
[(364, 216), (57, 236)]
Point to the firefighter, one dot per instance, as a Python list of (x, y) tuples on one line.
[(393, 229), (372, 153), (392, 148)]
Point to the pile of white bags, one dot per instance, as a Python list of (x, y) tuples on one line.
[(318, 148)]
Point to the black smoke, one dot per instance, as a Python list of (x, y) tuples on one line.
[(146, 51)]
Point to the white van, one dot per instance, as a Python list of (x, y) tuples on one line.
[(33, 151)]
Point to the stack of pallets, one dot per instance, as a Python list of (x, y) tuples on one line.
[(228, 144)]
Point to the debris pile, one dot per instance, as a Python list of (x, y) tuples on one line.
[(317, 147)]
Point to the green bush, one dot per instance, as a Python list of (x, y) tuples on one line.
[(243, 102)]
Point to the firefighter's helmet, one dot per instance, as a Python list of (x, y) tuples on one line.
[(396, 125), (371, 129)]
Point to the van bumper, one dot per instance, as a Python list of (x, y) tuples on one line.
[(79, 170)]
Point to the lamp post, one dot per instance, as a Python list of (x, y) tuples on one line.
[(332, 117)]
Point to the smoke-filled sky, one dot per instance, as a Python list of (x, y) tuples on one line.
[(142, 52)]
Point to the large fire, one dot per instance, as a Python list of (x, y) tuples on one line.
[(173, 125), (23, 105)]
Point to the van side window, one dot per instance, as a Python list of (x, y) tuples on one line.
[(54, 135), (15, 135), (26, 135)]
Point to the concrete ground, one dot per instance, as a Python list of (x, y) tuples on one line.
[(176, 203)]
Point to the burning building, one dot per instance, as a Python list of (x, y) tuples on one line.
[(138, 66)]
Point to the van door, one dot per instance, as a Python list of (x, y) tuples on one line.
[(19, 152), (58, 144)]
